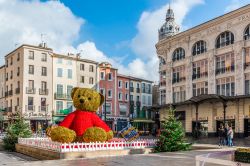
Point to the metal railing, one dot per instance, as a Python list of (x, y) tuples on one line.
[(30, 90), (17, 90), (60, 96), (43, 91)]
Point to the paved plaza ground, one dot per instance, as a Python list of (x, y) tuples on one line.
[(171, 159)]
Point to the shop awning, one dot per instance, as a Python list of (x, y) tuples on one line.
[(143, 120)]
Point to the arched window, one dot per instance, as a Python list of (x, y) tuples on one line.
[(224, 39), (162, 61), (178, 54), (199, 47), (247, 33)]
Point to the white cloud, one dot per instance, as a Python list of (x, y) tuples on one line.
[(143, 44), (235, 4), (25, 21)]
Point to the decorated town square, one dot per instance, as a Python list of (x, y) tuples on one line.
[(121, 82)]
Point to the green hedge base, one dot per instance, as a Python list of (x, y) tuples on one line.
[(243, 157)]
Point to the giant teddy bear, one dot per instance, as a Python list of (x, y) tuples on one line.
[(82, 125)]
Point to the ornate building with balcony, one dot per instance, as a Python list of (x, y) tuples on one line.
[(205, 73)]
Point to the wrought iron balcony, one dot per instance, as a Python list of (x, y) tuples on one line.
[(43, 91), (176, 80), (131, 89), (137, 90), (30, 108), (30, 90), (43, 108), (10, 92), (60, 96), (224, 70), (17, 90)]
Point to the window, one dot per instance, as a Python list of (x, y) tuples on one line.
[(126, 85), (44, 71), (102, 91), (18, 71), (59, 89), (119, 96), (69, 62), (11, 74), (31, 69), (108, 108), (149, 100), (109, 93), (91, 68), (43, 104), (43, 85), (69, 89), (91, 80), (137, 98), (178, 54), (17, 101), (119, 84), (30, 103), (200, 69), (179, 94), (247, 84), (82, 79), (126, 97), (11, 60), (178, 74), (131, 97), (59, 106), (82, 67), (31, 84), (123, 109), (224, 39), (225, 86), (200, 88), (59, 60), (143, 99), (7, 63), (102, 75), (247, 33), (44, 57), (6, 77), (70, 73), (110, 76), (31, 55), (59, 72), (199, 47), (70, 106), (225, 63), (18, 56)]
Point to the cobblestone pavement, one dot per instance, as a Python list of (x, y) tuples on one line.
[(171, 159)]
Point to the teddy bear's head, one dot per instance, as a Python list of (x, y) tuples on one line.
[(86, 99)]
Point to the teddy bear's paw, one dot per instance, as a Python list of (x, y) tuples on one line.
[(110, 135), (62, 134), (95, 134)]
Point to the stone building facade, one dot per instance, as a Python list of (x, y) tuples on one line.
[(211, 58)]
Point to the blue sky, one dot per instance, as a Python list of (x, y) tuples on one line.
[(122, 32)]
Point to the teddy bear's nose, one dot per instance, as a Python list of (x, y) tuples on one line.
[(81, 101)]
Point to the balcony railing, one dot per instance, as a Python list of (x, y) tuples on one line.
[(17, 108), (176, 80), (162, 83), (9, 109), (6, 94), (30, 90), (137, 90), (131, 89), (17, 90), (60, 96), (10, 92), (30, 108), (43, 91), (224, 70), (199, 75), (43, 108), (6, 79)]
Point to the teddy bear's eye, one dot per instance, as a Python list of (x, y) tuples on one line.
[(89, 98), (79, 96)]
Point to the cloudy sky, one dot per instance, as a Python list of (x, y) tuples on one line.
[(122, 32)]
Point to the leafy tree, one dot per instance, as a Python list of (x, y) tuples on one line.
[(172, 135), (18, 129)]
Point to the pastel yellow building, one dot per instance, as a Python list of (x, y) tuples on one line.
[(205, 72)]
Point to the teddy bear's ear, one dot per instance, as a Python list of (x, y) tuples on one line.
[(102, 99), (73, 91)]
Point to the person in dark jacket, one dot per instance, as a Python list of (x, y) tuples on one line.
[(221, 135), (225, 134)]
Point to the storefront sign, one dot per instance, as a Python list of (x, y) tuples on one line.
[(221, 117), (129, 133), (36, 115)]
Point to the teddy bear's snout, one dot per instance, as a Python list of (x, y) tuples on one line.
[(81, 101)]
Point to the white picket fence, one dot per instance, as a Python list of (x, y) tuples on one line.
[(46, 143)]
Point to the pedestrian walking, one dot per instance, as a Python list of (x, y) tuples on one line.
[(230, 136), (221, 135)]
